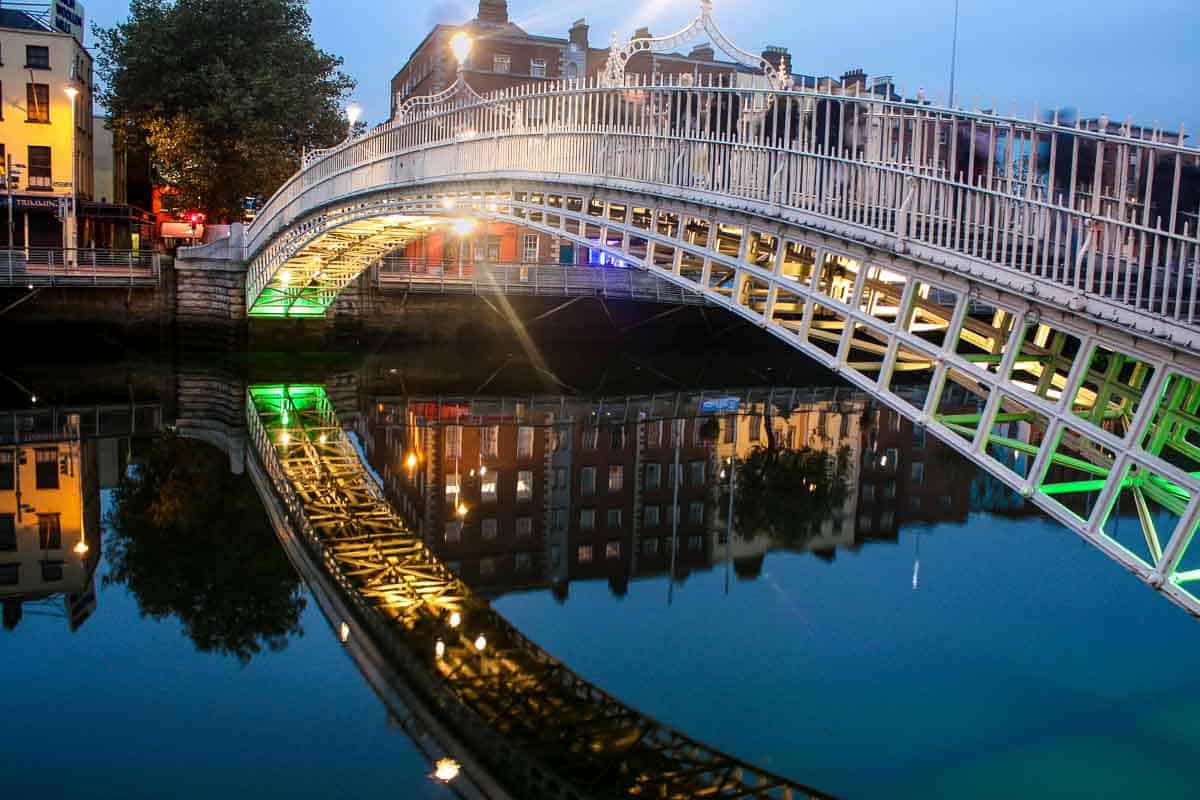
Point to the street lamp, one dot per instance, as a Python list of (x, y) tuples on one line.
[(353, 114), (70, 235), (460, 45)]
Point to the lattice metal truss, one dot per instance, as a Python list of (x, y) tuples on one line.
[(513, 690), (1054, 406)]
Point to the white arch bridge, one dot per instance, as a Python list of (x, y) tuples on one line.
[(1048, 269)]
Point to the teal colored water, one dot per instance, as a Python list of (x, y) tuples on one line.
[(1025, 664)]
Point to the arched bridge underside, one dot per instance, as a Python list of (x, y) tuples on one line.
[(526, 720), (908, 248)]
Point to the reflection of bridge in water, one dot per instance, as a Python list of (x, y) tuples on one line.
[(500, 704)]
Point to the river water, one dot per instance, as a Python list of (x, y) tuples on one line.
[(919, 634)]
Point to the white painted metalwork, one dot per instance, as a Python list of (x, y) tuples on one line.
[(925, 230), (778, 75)]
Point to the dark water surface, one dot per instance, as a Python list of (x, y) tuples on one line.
[(956, 645)]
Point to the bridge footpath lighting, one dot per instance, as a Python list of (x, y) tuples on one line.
[(480, 643), (460, 45), (447, 202), (462, 509), (82, 547), (446, 770), (411, 461), (455, 619), (462, 227), (439, 649), (344, 633), (285, 277)]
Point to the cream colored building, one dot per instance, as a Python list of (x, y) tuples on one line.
[(37, 65), (49, 505)]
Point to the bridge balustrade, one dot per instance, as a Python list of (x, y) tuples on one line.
[(41, 266), (1109, 214)]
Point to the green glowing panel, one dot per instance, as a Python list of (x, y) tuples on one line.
[(1077, 472)]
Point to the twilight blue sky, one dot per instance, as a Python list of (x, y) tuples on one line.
[(1120, 57)]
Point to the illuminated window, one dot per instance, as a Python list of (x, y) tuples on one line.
[(487, 487), (489, 440), (525, 442), (452, 486), (454, 441), (525, 484), (584, 553), (612, 550), (37, 102), (616, 477)]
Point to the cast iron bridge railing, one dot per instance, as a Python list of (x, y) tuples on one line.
[(1106, 214), (540, 729), (41, 266)]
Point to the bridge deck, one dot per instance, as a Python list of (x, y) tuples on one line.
[(541, 728)]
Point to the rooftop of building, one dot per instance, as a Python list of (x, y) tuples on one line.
[(15, 19)]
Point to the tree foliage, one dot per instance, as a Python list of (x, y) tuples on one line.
[(191, 540), (788, 493), (225, 94)]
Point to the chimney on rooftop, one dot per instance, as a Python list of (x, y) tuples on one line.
[(578, 34), (854, 77), (494, 12), (702, 52)]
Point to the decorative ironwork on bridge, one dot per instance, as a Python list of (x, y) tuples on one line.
[(541, 729), (1045, 267)]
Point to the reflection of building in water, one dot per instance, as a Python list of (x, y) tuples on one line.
[(49, 527), (525, 493)]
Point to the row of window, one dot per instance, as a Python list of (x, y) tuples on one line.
[(652, 517), (521, 562), (49, 532), (46, 464), (489, 529), (651, 545), (37, 56), (10, 574), (489, 486), (502, 64), (38, 174)]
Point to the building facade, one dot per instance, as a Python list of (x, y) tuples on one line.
[(37, 67), (49, 527)]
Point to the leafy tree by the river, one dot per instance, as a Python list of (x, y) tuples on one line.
[(191, 540), (224, 94), (787, 493)]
